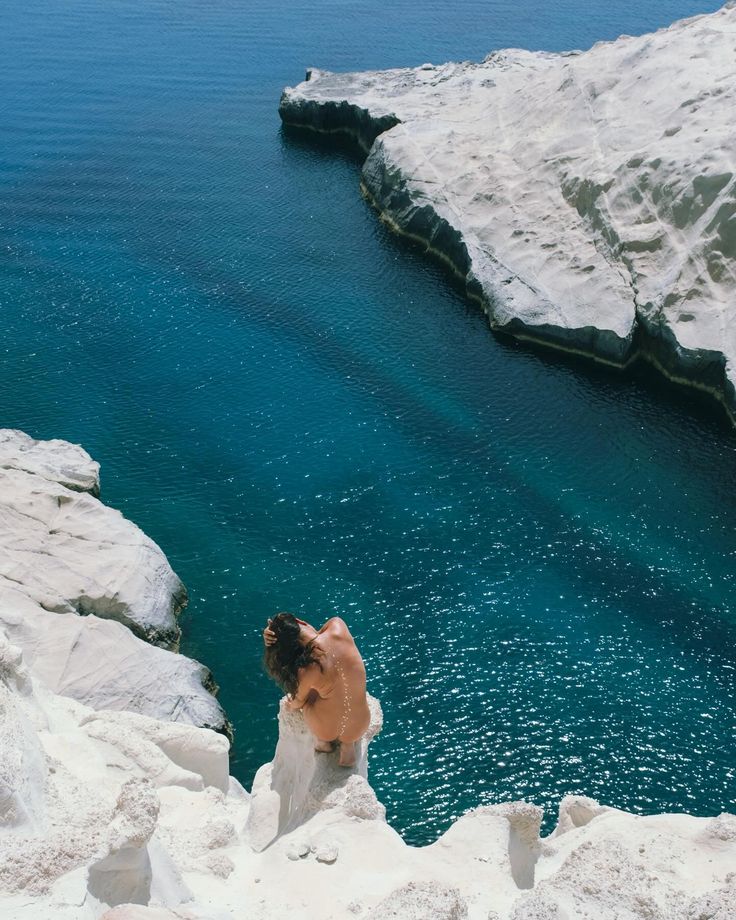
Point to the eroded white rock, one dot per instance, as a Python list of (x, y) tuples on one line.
[(101, 663), (587, 199), (70, 553), (300, 782), (81, 803), (122, 808), (120, 816), (55, 460), (81, 587), (418, 901)]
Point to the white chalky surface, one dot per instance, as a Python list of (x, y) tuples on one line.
[(69, 552), (122, 816), (593, 191), (72, 573)]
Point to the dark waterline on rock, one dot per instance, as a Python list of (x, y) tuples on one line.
[(537, 557)]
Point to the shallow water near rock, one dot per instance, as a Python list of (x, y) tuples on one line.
[(537, 557)]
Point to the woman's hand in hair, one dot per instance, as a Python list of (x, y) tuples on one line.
[(269, 636)]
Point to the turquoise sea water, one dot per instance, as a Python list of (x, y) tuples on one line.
[(538, 558)]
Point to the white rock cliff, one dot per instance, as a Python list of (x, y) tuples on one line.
[(115, 814), (81, 588), (587, 200)]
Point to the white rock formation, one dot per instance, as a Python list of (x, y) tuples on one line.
[(94, 560), (69, 569), (120, 816), (58, 461), (101, 663), (588, 200), (80, 799)]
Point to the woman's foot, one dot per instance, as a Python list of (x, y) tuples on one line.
[(324, 747), (347, 754)]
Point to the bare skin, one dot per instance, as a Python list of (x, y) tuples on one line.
[(332, 697)]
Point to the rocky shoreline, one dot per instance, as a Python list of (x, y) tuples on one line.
[(586, 200), (115, 804), (91, 600)]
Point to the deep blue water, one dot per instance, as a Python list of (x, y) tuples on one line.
[(537, 557)]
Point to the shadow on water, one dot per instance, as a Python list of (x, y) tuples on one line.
[(639, 377), (328, 145)]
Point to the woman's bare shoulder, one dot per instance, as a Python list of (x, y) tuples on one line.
[(336, 625)]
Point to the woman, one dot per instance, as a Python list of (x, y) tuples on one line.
[(324, 676)]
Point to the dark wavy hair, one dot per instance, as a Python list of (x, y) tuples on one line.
[(287, 655)]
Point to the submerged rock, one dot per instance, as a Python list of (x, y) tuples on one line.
[(588, 200)]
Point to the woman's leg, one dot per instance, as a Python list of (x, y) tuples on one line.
[(348, 753)]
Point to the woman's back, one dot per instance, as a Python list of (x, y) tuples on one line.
[(324, 676), (339, 710)]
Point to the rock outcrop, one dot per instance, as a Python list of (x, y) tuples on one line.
[(296, 785), (84, 592), (81, 799), (94, 560), (587, 200), (115, 815)]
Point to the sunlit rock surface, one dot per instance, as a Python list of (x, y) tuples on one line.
[(587, 199), (55, 460), (296, 785), (75, 574), (101, 663), (119, 816), (70, 553), (122, 816)]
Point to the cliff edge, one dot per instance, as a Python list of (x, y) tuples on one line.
[(116, 805)]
